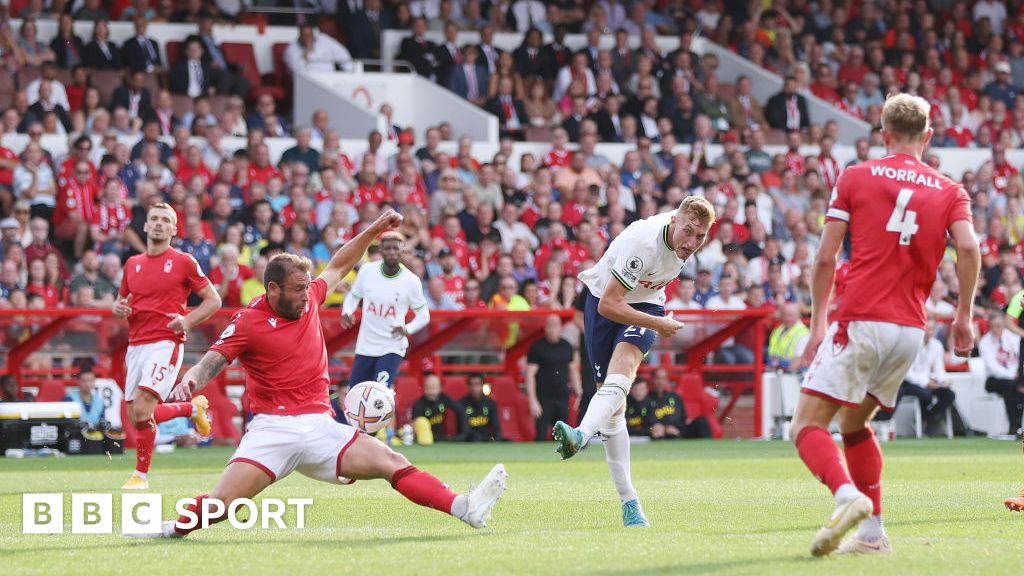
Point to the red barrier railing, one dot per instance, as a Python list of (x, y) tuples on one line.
[(488, 341)]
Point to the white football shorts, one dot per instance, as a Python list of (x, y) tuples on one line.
[(153, 367), (858, 358), (313, 444)]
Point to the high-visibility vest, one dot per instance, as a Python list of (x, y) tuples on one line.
[(782, 342)]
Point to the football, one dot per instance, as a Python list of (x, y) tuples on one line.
[(369, 406)]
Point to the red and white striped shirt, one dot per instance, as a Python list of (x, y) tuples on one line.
[(112, 217), (829, 170)]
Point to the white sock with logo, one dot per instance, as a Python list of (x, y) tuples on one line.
[(606, 402)]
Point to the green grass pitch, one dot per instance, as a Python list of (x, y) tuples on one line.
[(720, 507)]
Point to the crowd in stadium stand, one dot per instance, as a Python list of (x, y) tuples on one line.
[(507, 231)]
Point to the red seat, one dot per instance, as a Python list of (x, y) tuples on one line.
[(173, 49), (698, 402), (281, 76), (455, 386), (50, 391), (407, 391), (514, 408), (244, 56)]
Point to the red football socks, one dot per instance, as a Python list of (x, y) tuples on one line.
[(423, 489), (822, 457), (165, 412), (145, 438), (864, 458)]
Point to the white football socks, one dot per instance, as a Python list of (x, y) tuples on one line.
[(460, 506), (846, 493), (871, 528), (608, 400), (616, 452)]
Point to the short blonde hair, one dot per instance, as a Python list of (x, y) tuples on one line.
[(165, 206), (699, 208), (906, 116), (392, 235)]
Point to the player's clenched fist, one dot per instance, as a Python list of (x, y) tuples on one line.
[(390, 219), (122, 309), (668, 326)]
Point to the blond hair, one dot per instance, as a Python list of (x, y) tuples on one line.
[(392, 235), (699, 208), (165, 206), (906, 116)]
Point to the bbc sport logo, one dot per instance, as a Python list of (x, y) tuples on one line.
[(94, 513)]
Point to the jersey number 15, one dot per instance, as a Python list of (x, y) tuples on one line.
[(903, 221)]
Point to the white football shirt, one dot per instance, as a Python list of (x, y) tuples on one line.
[(641, 259), (385, 300)]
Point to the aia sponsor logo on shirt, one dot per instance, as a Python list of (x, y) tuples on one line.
[(653, 285), (381, 310)]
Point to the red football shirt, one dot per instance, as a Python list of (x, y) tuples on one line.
[(285, 360), (159, 285), (899, 210)]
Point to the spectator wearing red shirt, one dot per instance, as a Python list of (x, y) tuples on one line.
[(559, 156), (260, 169), (828, 167), (454, 283), (75, 204), (45, 283), (229, 276), (794, 160), (193, 165), (80, 151), (824, 86), (1002, 171), (371, 188), (110, 218), (471, 296), (854, 69), (8, 162)]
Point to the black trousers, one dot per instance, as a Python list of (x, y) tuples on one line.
[(696, 428), (933, 402), (1012, 398), (552, 410)]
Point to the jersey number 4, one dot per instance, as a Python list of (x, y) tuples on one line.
[(903, 221)]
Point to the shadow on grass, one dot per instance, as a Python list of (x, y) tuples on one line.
[(812, 528), (704, 567), (335, 543)]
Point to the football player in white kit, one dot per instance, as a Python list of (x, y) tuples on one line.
[(387, 290), (625, 310)]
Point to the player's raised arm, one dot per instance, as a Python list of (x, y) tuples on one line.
[(822, 279), (346, 257), (968, 265)]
